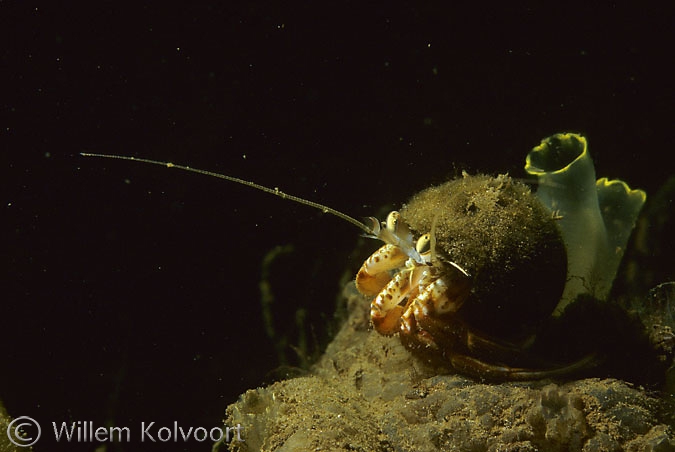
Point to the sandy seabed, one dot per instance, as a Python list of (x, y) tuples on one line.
[(368, 393)]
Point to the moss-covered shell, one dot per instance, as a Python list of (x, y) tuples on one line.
[(499, 232)]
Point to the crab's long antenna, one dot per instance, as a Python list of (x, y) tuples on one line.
[(274, 191)]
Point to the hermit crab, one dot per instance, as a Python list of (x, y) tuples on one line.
[(472, 270)]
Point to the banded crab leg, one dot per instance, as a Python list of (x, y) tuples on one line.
[(392, 302), (375, 274), (393, 294), (438, 296)]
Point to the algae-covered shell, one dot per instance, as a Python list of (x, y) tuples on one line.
[(508, 242)]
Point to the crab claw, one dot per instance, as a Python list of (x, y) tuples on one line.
[(374, 274)]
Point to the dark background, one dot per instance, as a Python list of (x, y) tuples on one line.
[(130, 292)]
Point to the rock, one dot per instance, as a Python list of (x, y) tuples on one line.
[(368, 393)]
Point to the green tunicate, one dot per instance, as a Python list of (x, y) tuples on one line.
[(596, 217)]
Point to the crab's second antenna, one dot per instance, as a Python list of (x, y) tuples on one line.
[(370, 231)]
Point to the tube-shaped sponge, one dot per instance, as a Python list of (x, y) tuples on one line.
[(596, 218)]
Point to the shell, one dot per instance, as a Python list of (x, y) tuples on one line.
[(509, 243)]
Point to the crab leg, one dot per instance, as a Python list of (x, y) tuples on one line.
[(494, 372), (388, 306), (374, 273)]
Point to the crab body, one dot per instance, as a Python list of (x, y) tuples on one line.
[(488, 270)]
